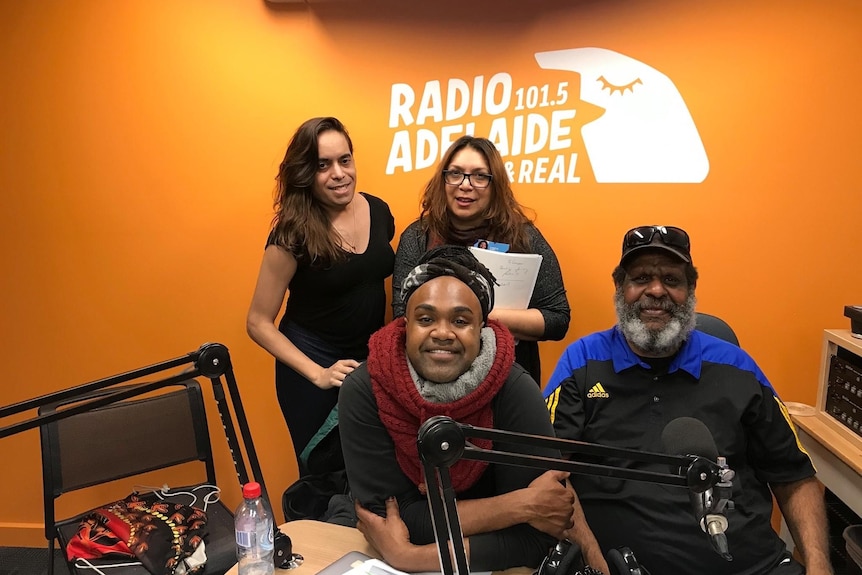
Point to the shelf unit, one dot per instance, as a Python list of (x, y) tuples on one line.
[(835, 450)]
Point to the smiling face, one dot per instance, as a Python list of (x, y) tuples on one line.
[(335, 182), (655, 304), (444, 327), (467, 205)]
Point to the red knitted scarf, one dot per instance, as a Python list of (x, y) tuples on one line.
[(402, 410)]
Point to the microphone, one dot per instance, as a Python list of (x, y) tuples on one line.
[(690, 436)]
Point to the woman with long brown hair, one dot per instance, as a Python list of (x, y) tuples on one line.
[(467, 201), (330, 247)]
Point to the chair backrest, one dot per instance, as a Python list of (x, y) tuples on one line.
[(716, 327), (122, 439)]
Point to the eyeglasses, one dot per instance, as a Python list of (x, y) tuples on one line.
[(456, 178), (644, 235)]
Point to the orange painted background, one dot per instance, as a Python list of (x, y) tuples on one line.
[(140, 140)]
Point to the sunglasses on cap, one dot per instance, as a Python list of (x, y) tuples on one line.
[(644, 235)]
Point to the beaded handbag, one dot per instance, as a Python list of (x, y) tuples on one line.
[(161, 534)]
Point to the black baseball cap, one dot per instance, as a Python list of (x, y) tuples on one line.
[(669, 238)]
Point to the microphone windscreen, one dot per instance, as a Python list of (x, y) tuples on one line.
[(689, 436)]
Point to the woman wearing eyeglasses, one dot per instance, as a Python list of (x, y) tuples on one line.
[(469, 200)]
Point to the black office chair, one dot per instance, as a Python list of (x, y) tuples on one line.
[(124, 439), (716, 327)]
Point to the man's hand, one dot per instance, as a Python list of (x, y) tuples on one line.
[(551, 503), (388, 535)]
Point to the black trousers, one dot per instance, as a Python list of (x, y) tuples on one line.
[(304, 405)]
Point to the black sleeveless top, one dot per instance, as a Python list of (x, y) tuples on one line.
[(344, 303)]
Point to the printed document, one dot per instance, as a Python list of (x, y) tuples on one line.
[(356, 563), (516, 275)]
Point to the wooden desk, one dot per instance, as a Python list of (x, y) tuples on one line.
[(323, 543), (836, 456), (835, 450)]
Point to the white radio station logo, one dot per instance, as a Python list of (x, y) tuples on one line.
[(646, 134)]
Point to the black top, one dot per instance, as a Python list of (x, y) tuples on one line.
[(374, 474), (345, 303), (601, 392)]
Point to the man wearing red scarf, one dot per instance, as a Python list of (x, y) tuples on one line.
[(445, 357)]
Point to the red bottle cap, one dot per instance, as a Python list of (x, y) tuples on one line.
[(251, 490)]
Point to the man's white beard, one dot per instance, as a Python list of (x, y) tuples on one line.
[(665, 341)]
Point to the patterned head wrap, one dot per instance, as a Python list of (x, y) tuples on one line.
[(458, 262)]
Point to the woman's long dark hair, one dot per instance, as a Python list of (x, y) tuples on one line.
[(301, 225), (505, 216)]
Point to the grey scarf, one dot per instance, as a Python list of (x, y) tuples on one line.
[(467, 382)]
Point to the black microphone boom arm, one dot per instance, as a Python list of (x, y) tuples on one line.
[(211, 361), (442, 442)]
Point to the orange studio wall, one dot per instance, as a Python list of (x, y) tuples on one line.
[(140, 140)]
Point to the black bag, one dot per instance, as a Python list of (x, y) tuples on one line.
[(322, 474), (323, 453), (309, 496)]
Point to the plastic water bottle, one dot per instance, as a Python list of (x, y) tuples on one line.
[(254, 533)]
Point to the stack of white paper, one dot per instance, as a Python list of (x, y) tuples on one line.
[(516, 275)]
